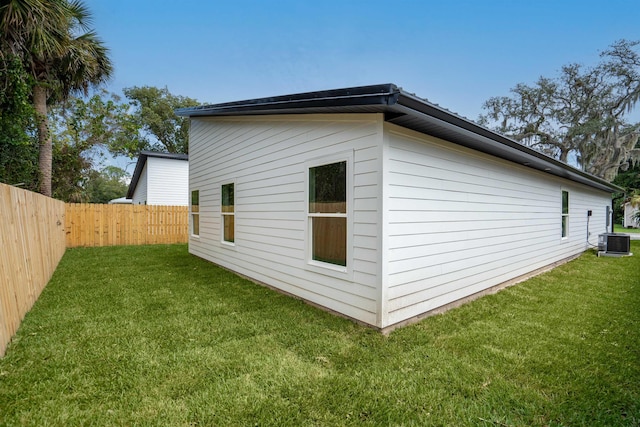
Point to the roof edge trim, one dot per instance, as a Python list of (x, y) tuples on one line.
[(390, 98), (432, 110), (383, 94)]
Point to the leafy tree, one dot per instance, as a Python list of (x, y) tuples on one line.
[(581, 113), (108, 184), (18, 149), (628, 179), (59, 53), (71, 172), (80, 129), (100, 120), (161, 129)]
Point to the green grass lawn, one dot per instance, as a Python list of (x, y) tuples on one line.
[(153, 336), (620, 229)]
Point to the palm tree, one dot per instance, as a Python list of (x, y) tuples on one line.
[(59, 52)]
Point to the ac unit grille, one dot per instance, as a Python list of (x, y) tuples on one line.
[(618, 243)]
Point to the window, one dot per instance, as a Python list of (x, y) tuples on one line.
[(195, 212), (565, 214), (228, 213), (328, 213)]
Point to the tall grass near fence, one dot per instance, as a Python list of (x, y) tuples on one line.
[(32, 242)]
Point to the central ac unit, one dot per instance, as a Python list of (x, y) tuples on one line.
[(614, 243)]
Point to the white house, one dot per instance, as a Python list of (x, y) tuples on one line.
[(120, 201), (628, 220), (377, 204), (160, 179)]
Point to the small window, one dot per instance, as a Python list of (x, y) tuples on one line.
[(328, 213), (195, 212), (228, 213), (565, 214)]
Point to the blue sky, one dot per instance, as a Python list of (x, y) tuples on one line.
[(456, 53)]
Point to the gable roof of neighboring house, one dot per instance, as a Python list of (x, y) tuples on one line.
[(142, 161), (120, 200), (407, 110)]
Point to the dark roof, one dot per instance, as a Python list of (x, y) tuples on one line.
[(142, 160), (407, 110)]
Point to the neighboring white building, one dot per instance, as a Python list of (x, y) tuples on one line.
[(120, 201), (377, 204), (629, 213), (160, 179)]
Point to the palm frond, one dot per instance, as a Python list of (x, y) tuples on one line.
[(85, 64), (30, 27)]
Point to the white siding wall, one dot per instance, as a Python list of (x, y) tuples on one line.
[(167, 182), (459, 222), (265, 157), (629, 212), (140, 192)]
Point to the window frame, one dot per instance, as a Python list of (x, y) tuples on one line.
[(227, 214), (193, 214), (335, 270), (564, 225)]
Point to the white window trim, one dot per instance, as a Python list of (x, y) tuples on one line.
[(567, 215), (192, 214), (223, 214), (325, 268)]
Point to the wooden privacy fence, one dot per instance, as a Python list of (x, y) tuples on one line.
[(35, 231), (32, 242), (107, 225)]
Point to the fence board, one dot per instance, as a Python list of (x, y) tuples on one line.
[(107, 225), (35, 231), (32, 242)]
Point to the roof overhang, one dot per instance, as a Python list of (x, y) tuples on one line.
[(142, 160), (409, 111)]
